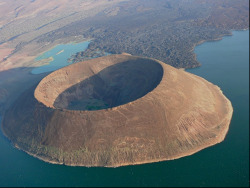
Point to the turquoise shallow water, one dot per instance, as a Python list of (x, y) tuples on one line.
[(60, 54), (226, 64)]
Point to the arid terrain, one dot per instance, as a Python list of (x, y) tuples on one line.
[(167, 30), (154, 112)]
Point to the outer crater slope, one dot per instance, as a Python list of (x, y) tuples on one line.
[(118, 110)]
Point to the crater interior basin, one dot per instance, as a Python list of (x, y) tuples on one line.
[(113, 86)]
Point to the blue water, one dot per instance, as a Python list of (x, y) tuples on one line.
[(59, 59), (225, 63)]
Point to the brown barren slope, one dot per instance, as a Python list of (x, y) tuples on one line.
[(147, 112)]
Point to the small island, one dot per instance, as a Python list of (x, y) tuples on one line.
[(133, 110), (60, 52)]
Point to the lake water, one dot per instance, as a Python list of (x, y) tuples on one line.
[(60, 55), (226, 64)]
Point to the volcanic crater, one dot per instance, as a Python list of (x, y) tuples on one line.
[(118, 110), (113, 86)]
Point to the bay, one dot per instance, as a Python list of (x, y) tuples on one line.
[(224, 63), (58, 56)]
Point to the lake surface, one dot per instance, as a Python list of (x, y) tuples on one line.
[(59, 56), (226, 64)]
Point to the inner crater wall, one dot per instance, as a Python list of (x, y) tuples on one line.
[(90, 86), (113, 86)]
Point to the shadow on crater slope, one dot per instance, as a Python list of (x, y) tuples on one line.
[(113, 86)]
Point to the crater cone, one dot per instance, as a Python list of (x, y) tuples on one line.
[(118, 110)]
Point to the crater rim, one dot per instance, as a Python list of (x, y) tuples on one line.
[(119, 59)]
